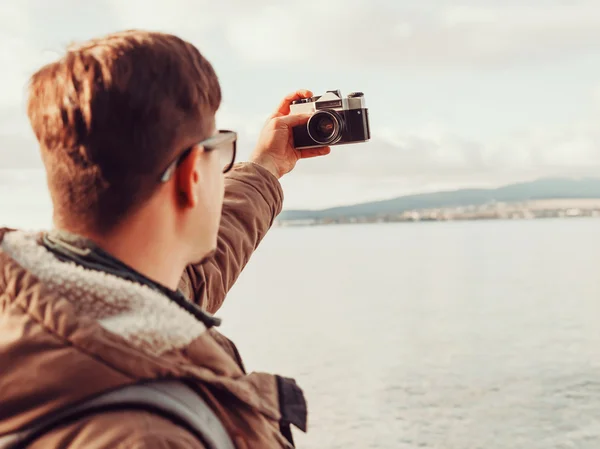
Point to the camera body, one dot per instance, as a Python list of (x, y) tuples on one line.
[(336, 120)]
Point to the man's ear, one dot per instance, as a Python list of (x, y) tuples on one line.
[(188, 178)]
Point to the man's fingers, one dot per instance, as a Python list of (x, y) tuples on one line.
[(314, 152), (284, 106)]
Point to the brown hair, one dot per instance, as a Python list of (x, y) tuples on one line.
[(106, 116)]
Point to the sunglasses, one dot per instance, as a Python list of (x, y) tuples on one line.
[(224, 141)]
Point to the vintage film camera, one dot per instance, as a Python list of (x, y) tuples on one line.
[(336, 120)]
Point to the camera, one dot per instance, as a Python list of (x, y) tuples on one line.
[(336, 120)]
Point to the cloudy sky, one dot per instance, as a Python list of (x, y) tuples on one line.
[(460, 93)]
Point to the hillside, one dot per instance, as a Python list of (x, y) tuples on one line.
[(542, 189)]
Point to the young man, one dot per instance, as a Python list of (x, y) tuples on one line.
[(153, 224)]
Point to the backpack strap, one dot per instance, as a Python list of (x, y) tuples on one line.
[(171, 399)]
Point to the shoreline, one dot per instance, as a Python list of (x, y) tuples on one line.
[(526, 210)]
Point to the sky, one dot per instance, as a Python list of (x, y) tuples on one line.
[(460, 93)]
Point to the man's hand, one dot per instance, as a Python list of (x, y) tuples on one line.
[(275, 149)]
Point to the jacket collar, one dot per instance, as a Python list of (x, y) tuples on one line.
[(144, 316), (69, 247)]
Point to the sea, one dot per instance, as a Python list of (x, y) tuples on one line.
[(446, 335)]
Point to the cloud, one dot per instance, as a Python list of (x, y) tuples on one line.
[(19, 151), (432, 156), (260, 38), (18, 57), (189, 19), (24, 199), (248, 127), (571, 148), (401, 35), (36, 32), (18, 146), (395, 163)]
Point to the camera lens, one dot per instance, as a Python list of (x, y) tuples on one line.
[(324, 127)]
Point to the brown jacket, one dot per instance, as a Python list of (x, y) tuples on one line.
[(68, 333)]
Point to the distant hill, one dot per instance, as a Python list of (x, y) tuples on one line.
[(542, 189)]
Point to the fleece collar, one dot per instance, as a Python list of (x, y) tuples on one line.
[(146, 318)]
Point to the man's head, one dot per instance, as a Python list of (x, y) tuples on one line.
[(111, 116)]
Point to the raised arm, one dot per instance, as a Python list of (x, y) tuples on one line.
[(253, 198)]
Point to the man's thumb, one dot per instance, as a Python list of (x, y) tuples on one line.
[(294, 119)]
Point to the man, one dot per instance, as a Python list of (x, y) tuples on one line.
[(150, 235)]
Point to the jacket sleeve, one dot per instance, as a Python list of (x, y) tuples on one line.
[(253, 198)]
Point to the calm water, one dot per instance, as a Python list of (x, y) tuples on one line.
[(431, 335)]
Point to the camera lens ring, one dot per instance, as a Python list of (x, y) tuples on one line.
[(336, 133)]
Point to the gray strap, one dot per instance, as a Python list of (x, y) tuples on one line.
[(172, 399)]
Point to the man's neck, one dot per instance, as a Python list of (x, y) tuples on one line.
[(148, 254)]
